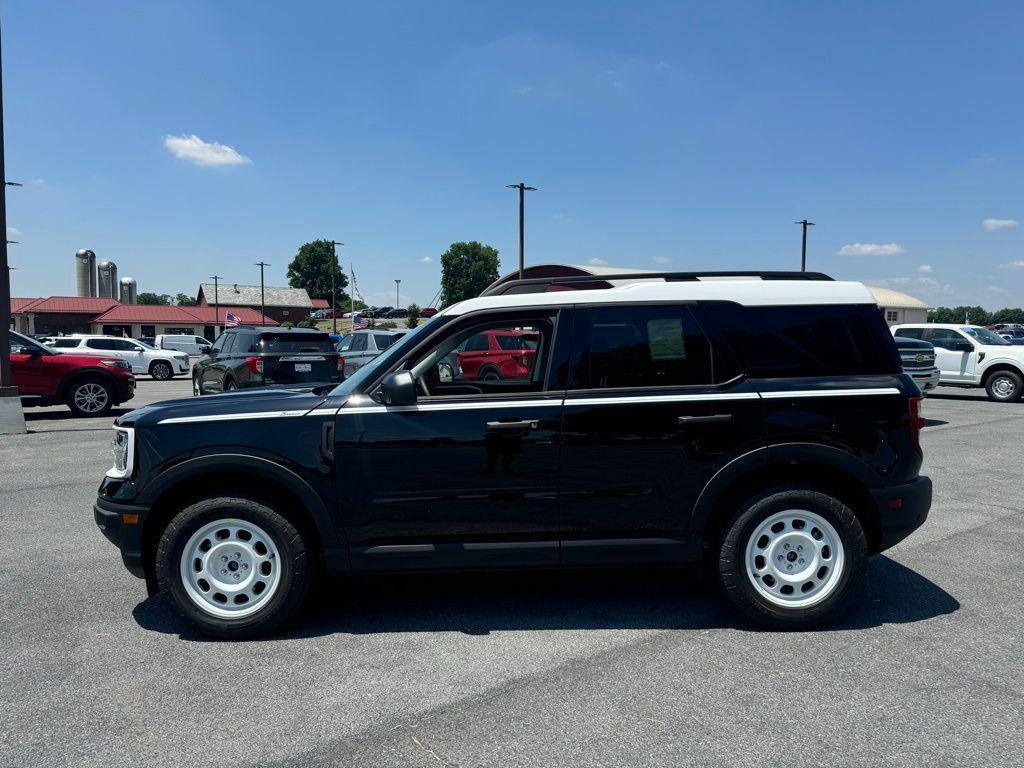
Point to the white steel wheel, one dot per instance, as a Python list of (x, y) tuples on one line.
[(91, 397), (794, 559), (1003, 387), (230, 568)]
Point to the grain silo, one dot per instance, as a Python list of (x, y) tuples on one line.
[(85, 272), (129, 291), (107, 279)]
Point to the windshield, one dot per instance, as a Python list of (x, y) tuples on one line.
[(24, 346), (985, 336), (147, 345), (383, 361)]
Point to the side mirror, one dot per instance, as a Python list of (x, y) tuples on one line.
[(398, 388), (963, 346), (205, 350)]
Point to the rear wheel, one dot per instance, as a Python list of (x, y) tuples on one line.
[(161, 370), (490, 374), (229, 385), (1004, 387), (792, 558), (90, 397), (197, 388), (233, 567)]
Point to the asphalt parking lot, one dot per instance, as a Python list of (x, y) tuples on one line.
[(576, 669)]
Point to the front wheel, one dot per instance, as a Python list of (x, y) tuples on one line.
[(1004, 387), (90, 397), (792, 558), (232, 567), (161, 371), (197, 388)]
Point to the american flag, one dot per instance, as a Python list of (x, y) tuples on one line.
[(231, 321), (359, 322)]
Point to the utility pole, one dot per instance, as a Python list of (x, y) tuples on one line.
[(263, 300), (397, 300), (334, 271), (5, 272), (803, 249), (523, 189), (216, 305)]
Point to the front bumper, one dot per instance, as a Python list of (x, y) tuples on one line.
[(180, 366), (902, 509), (125, 390), (113, 520), (926, 380)]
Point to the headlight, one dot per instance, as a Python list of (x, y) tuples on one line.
[(118, 364), (122, 445)]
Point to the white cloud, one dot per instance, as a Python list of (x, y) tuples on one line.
[(995, 224), (598, 262), (1018, 264), (38, 182), (11, 231), (206, 153), (661, 260), (525, 90), (924, 269), (914, 285), (871, 249), (995, 289), (426, 260)]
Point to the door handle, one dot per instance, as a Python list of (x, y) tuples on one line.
[(508, 426), (717, 418)]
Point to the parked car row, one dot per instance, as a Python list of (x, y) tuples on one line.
[(159, 363)]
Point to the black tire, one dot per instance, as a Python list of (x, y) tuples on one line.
[(292, 586), (161, 370), (87, 390), (738, 532), (229, 385), (197, 387), (1004, 386), (490, 374)]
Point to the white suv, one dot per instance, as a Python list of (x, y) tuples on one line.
[(158, 363), (192, 345), (972, 356)]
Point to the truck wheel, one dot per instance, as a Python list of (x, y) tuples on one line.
[(792, 557), (90, 397), (233, 567), (1004, 387), (161, 371)]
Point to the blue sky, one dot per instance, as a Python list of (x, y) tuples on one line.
[(689, 136)]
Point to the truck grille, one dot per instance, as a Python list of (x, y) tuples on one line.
[(916, 361)]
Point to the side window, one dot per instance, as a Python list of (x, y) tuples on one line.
[(452, 368), (245, 343), (65, 343), (910, 333), (478, 343), (358, 343), (200, 340), (218, 345), (20, 347), (101, 344), (346, 343), (643, 346), (892, 316), (947, 338), (229, 342), (383, 340)]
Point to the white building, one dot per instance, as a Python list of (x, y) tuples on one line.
[(898, 307)]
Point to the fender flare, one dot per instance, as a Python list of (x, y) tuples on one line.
[(253, 465), (1000, 363), (723, 481), (86, 372)]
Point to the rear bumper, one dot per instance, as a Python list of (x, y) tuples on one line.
[(126, 536), (902, 509)]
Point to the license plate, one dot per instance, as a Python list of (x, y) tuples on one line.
[(303, 367)]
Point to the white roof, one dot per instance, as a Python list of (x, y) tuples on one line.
[(886, 297), (950, 326), (749, 292)]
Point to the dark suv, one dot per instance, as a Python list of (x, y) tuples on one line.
[(260, 356), (760, 426)]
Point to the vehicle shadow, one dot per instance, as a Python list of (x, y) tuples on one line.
[(64, 414), (982, 396), (553, 600), (934, 422)]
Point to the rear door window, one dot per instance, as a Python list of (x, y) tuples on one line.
[(639, 347), (910, 333), (384, 340), (64, 343), (358, 343)]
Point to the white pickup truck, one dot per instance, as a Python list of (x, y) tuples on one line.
[(972, 356)]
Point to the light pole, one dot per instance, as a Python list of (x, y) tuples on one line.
[(523, 189), (263, 302), (5, 272), (397, 300), (216, 305), (334, 271), (803, 247)]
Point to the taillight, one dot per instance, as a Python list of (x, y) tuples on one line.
[(341, 364), (916, 421), (255, 364)]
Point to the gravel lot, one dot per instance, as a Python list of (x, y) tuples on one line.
[(577, 669)]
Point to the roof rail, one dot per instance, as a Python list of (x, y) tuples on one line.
[(541, 284)]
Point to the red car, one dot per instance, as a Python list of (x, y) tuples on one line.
[(88, 385), (498, 354)]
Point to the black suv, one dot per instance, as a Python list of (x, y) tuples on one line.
[(260, 356), (761, 426)]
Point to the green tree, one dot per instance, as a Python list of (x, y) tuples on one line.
[(414, 316), (976, 315), (153, 299), (184, 300), (466, 269), (1008, 315), (311, 269)]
